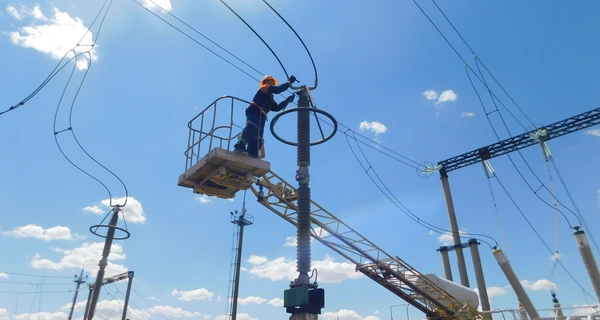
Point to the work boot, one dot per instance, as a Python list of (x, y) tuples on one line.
[(240, 149)]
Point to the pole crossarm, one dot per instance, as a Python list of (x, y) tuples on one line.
[(389, 271), (555, 130)]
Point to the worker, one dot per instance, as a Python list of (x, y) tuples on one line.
[(256, 114)]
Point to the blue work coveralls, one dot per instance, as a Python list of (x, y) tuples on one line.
[(256, 116)]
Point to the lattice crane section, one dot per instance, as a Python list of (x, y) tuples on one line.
[(390, 272), (555, 130)]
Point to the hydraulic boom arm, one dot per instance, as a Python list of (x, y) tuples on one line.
[(391, 272)]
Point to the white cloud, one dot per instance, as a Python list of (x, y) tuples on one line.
[(198, 294), (593, 132), (344, 314), (3, 275), (495, 291), (25, 12), (42, 316), (87, 256), (170, 311), (282, 268), (447, 96), (54, 36), (584, 310), (93, 209), (467, 114), (203, 198), (251, 300), (446, 239), (542, 284), (132, 211), (373, 126), (164, 4), (4, 314), (114, 308), (33, 231), (291, 241), (13, 12), (277, 302), (430, 94), (240, 316)]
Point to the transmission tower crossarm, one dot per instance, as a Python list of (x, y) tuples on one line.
[(555, 130), (389, 271)]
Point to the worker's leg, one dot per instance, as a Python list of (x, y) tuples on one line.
[(248, 134), (256, 142)]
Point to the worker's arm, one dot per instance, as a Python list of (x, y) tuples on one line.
[(278, 89), (284, 103)]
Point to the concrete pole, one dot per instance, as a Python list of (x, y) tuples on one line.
[(460, 257), (79, 281), (516, 285), (89, 300), (446, 262), (481, 286), (588, 260), (129, 282)]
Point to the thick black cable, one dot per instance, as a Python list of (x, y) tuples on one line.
[(196, 41), (54, 72), (477, 58), (56, 134), (494, 98), (403, 208), (460, 56), (252, 77), (261, 39), (539, 236), (515, 165), (204, 36), (71, 128), (299, 38), (494, 102)]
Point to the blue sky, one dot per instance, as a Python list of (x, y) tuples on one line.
[(380, 64)]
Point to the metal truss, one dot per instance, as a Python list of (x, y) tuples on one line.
[(390, 272)]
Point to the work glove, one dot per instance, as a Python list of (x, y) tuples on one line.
[(292, 79), (290, 99)]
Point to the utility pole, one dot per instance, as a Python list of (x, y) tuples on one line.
[(240, 220), (126, 305), (460, 257), (79, 280)]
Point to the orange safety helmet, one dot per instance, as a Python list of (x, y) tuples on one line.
[(262, 82)]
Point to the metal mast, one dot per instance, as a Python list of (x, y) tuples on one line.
[(240, 220), (79, 280)]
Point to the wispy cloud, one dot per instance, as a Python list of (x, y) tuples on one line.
[(593, 132), (37, 232), (54, 36), (203, 198), (537, 285), (133, 211), (373, 126), (158, 4), (467, 114), (430, 94), (447, 96), (198, 294)]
